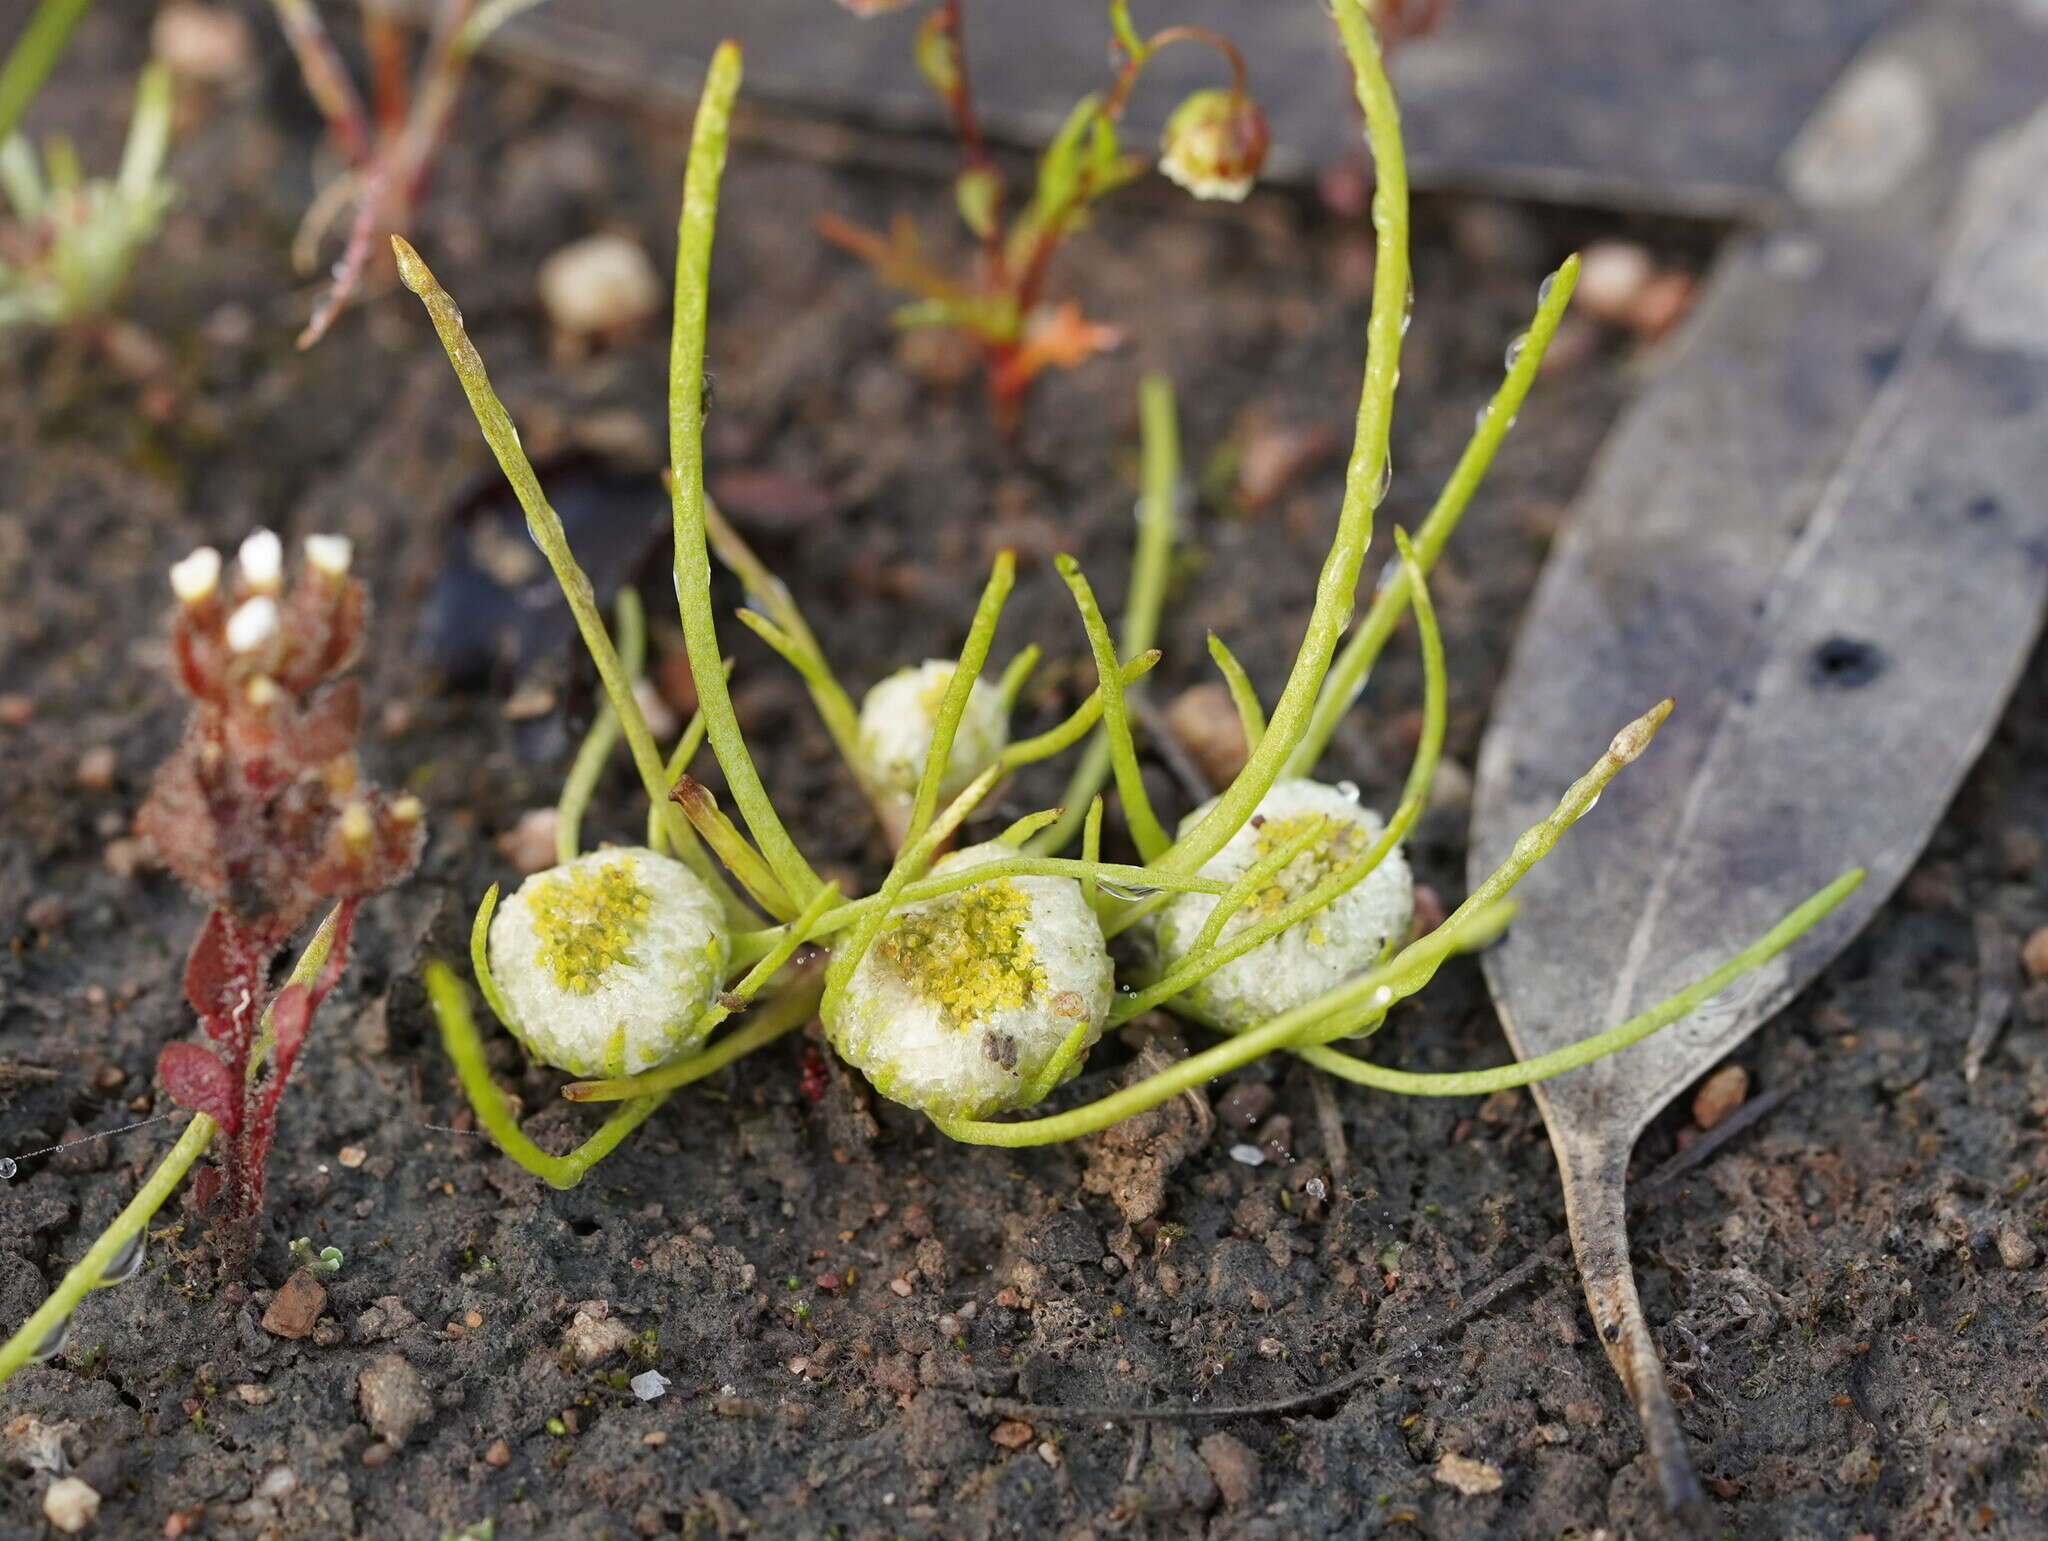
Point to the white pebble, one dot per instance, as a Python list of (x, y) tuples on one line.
[(1247, 1155), (649, 1384)]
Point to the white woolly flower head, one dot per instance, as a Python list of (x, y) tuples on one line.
[(606, 963), (899, 716), (959, 1004), (1317, 953), (1214, 144)]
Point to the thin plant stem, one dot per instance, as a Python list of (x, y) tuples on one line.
[(694, 231), (959, 686), (1337, 585), (1091, 852), (1208, 954), (465, 1047), (1151, 564), (87, 1272), (545, 526), (1144, 825), (1251, 716), (792, 638), (1348, 675), (1015, 673), (327, 82), (580, 784), (1069, 731), (33, 55), (1345, 1007), (1469, 1083)]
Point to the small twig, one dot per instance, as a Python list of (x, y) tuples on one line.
[(1998, 955), (1752, 1112)]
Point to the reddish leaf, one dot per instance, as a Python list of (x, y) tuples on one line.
[(197, 1080), (219, 968), (290, 1015)]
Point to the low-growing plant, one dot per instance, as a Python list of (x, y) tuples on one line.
[(389, 145), (1213, 145), (971, 985), (71, 242), (263, 812)]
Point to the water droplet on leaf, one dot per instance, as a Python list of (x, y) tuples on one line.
[(52, 1344), (124, 1264)]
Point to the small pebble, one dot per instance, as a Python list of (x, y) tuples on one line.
[(253, 1394), (1205, 720), (601, 284), (2034, 954), (207, 44), (1233, 1467), (1245, 1104), (394, 1398), (352, 1156), (295, 1307), (900, 1287), (1719, 1095), (96, 768), (1465, 1474), (377, 1454), (71, 1505), (594, 1335), (1661, 305), (498, 1455), (16, 709), (2016, 1249), (529, 845), (1247, 1155), (1612, 277), (46, 914), (649, 1384), (1011, 1434)]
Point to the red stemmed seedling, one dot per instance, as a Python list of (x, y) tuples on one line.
[(1213, 146), (262, 811)]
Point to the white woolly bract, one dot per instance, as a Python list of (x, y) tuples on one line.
[(645, 978), (1315, 954), (898, 1030), (197, 576), (899, 716)]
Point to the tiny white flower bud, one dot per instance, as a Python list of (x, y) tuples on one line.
[(408, 809), (1214, 144), (606, 963), (330, 555), (261, 692), (196, 578), (357, 827), (898, 718), (262, 562), (962, 1000), (253, 624), (1316, 953)]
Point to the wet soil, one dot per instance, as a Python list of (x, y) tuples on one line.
[(1849, 1296)]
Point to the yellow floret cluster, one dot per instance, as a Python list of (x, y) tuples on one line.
[(587, 918), (969, 956)]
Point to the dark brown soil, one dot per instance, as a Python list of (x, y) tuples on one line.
[(827, 1284)]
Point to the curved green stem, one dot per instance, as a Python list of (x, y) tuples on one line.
[(1348, 675), (1151, 565), (694, 232), (1208, 954), (465, 1047), (580, 784), (1251, 716), (33, 55), (1337, 586), (88, 1270), (981, 633), (1683, 1003), (1144, 824), (545, 525)]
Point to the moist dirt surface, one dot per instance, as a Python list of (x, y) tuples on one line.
[(1849, 1296)]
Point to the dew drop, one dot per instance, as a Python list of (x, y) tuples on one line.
[(124, 1264), (1348, 790), (7, 1169), (1125, 890), (1543, 289), (1389, 570), (1479, 420), (1590, 806), (1515, 348), (1386, 480), (52, 1344)]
